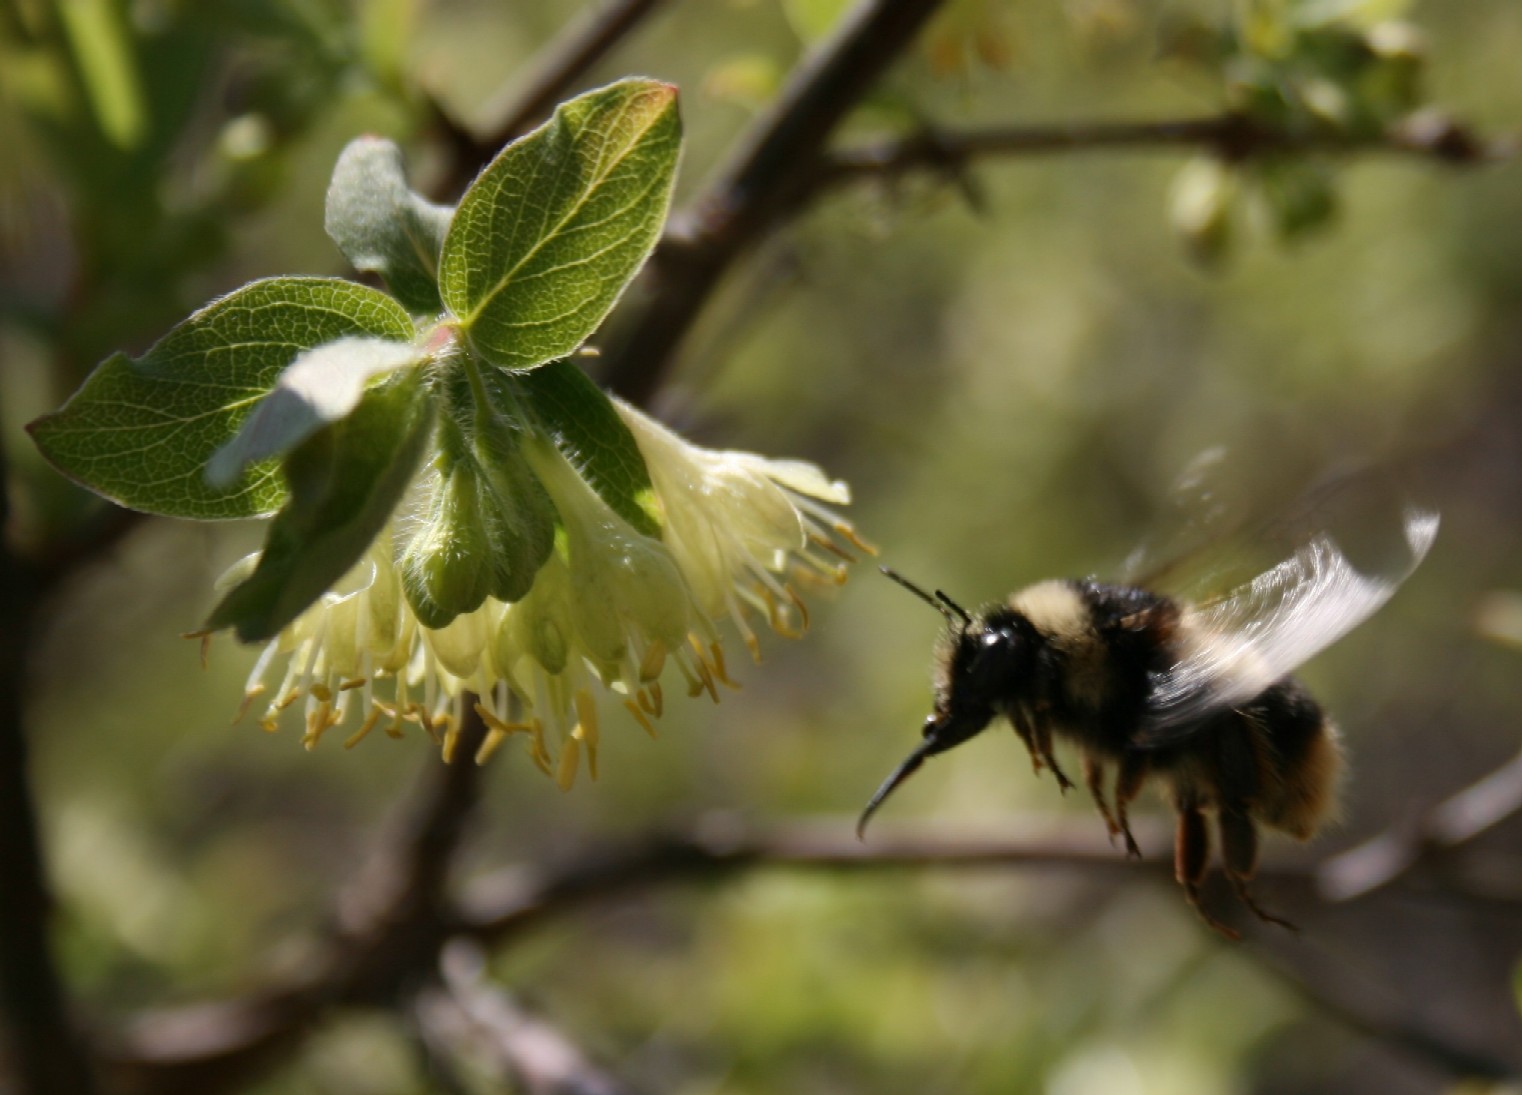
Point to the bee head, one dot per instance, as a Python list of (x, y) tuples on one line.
[(981, 657)]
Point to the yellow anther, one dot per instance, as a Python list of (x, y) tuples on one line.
[(818, 576), (778, 618), (705, 673), (570, 757), (248, 701), (719, 669), (321, 691), (848, 534), (494, 738), (499, 725), (803, 609), (377, 712), (694, 683), (653, 662), (352, 683), (540, 754), (639, 716), (831, 546), (317, 722), (451, 740), (657, 700)]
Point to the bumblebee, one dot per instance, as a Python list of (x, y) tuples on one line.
[(1197, 696)]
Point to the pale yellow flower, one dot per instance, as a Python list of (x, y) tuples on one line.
[(611, 610)]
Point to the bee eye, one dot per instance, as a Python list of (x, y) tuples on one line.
[(992, 638), (930, 724)]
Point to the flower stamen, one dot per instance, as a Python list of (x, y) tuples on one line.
[(639, 717), (377, 712)]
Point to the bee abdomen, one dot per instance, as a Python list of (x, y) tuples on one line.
[(1302, 759)]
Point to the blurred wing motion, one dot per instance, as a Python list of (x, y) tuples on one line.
[(1261, 632)]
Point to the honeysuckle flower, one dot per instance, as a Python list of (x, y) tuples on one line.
[(457, 514), (612, 611), (736, 521)]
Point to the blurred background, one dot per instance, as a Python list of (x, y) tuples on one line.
[(1009, 368)]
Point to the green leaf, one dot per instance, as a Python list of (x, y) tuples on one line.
[(140, 432), (345, 482), (383, 227), (321, 386), (580, 418), (548, 236)]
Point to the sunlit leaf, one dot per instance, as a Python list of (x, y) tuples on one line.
[(141, 431), (580, 418), (550, 233)]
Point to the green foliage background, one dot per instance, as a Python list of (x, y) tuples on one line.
[(1008, 390)]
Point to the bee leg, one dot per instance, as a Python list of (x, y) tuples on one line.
[(1042, 733), (1023, 729), (1240, 783), (1128, 784), (1093, 779), (1191, 855), (1239, 852)]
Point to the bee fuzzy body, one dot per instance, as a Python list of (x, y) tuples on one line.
[(1102, 646), (1197, 696), (1088, 679), (1079, 662)]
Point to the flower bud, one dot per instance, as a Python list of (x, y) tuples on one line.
[(446, 569)]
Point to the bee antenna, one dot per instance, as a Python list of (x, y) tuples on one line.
[(910, 765), (949, 603), (938, 601)]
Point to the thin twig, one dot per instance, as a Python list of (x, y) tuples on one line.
[(559, 67), (1329, 995), (562, 64), (1233, 137), (757, 185), (398, 928), (503, 906), (469, 1013), (1378, 862), (787, 167), (209, 1047), (517, 899)]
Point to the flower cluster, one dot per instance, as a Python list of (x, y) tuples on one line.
[(456, 512), (610, 608)]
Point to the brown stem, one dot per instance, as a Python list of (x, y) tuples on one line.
[(466, 1012), (399, 920), (1230, 136), (1383, 859), (44, 1047), (561, 65), (502, 907), (758, 183)]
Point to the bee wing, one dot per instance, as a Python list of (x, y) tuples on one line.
[(1261, 632)]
